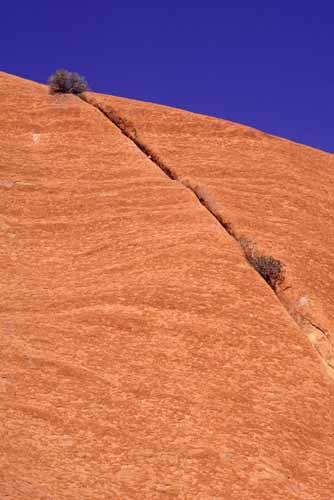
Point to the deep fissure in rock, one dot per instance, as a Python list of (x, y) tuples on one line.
[(129, 131), (200, 193)]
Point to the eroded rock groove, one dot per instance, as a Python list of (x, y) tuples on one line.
[(129, 131)]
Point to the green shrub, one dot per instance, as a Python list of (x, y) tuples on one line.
[(66, 82)]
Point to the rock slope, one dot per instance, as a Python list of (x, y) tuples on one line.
[(142, 357)]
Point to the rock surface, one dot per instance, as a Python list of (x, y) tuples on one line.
[(270, 190), (142, 357)]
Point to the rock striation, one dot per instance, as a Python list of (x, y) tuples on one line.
[(142, 357)]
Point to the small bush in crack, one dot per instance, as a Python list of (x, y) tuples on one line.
[(66, 82), (208, 201), (271, 270), (247, 246)]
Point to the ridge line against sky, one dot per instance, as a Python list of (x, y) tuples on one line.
[(266, 66)]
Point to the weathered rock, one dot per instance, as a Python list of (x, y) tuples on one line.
[(142, 357), (266, 188)]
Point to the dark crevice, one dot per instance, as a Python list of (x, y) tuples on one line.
[(202, 194), (204, 199), (128, 129), (317, 327)]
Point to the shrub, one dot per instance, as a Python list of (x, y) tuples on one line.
[(271, 270), (207, 200), (248, 246), (66, 82)]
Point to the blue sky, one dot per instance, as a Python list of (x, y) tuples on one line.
[(267, 64)]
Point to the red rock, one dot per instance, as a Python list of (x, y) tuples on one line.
[(142, 357)]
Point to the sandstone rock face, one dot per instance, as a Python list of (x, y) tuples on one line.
[(142, 357), (270, 190)]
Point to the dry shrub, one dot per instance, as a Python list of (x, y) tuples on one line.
[(271, 269), (207, 200), (248, 247), (66, 82), (124, 124)]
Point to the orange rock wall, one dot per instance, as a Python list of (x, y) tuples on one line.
[(142, 358), (278, 193)]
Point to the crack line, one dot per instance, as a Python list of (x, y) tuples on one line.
[(318, 328), (129, 131), (200, 193)]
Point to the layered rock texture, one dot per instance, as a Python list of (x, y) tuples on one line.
[(142, 357)]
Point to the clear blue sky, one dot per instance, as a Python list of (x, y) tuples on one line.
[(268, 64)]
